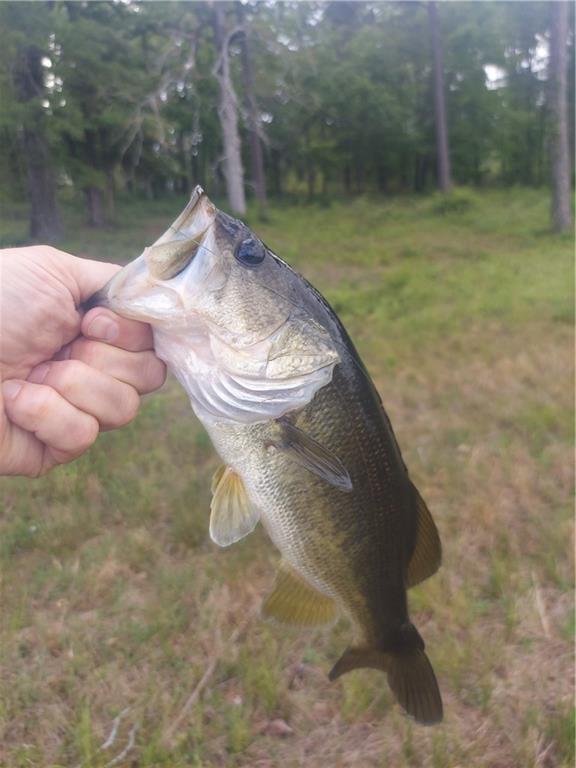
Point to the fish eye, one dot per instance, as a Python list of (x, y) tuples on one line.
[(250, 252)]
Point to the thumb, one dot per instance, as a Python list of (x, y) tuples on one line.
[(90, 276), (81, 277)]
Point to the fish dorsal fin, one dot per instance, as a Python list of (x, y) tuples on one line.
[(307, 452), (427, 554), (232, 516), (294, 601)]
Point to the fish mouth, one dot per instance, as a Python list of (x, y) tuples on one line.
[(170, 255), (194, 219)]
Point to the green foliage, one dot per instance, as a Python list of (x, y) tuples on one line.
[(127, 97), (456, 201)]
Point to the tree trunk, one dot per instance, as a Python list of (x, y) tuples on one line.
[(444, 177), (228, 115), (148, 190), (196, 162), (360, 176), (311, 181), (325, 185), (276, 163), (110, 202), (256, 153), (94, 206), (560, 152), (382, 179), (194, 176), (45, 223)]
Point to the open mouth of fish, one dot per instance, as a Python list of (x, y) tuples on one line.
[(163, 277)]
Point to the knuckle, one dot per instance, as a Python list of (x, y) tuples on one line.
[(86, 433), (131, 405), (127, 409), (159, 373), (154, 372), (64, 376), (87, 351), (39, 403), (136, 336), (129, 332), (49, 461)]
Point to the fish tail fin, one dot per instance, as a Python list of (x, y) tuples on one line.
[(413, 682), (410, 676)]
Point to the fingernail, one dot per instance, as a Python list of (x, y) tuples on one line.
[(38, 374), (104, 328), (10, 389)]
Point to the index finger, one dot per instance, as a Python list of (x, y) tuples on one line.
[(105, 325)]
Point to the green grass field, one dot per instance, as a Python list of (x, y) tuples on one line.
[(128, 636)]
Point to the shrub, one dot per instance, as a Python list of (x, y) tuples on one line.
[(457, 201)]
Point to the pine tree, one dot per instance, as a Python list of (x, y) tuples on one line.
[(443, 153), (560, 151), (26, 115)]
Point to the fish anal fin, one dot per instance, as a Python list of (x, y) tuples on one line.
[(296, 602), (232, 515), (410, 677), (307, 452), (427, 554)]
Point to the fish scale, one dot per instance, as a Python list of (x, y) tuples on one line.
[(370, 520), (308, 449)]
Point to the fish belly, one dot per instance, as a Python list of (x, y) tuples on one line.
[(303, 515), (349, 545)]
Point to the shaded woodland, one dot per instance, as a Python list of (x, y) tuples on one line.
[(281, 99)]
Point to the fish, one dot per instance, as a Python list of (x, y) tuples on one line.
[(308, 450)]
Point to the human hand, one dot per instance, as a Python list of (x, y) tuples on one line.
[(64, 376)]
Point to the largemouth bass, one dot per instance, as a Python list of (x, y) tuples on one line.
[(308, 449)]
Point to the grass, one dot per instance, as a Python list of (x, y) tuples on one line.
[(114, 601)]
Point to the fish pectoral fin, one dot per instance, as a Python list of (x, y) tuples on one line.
[(427, 554), (216, 477), (307, 452), (232, 515), (294, 601)]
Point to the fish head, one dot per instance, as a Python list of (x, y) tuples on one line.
[(207, 268), (237, 326)]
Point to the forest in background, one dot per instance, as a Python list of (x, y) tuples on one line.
[(286, 99)]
